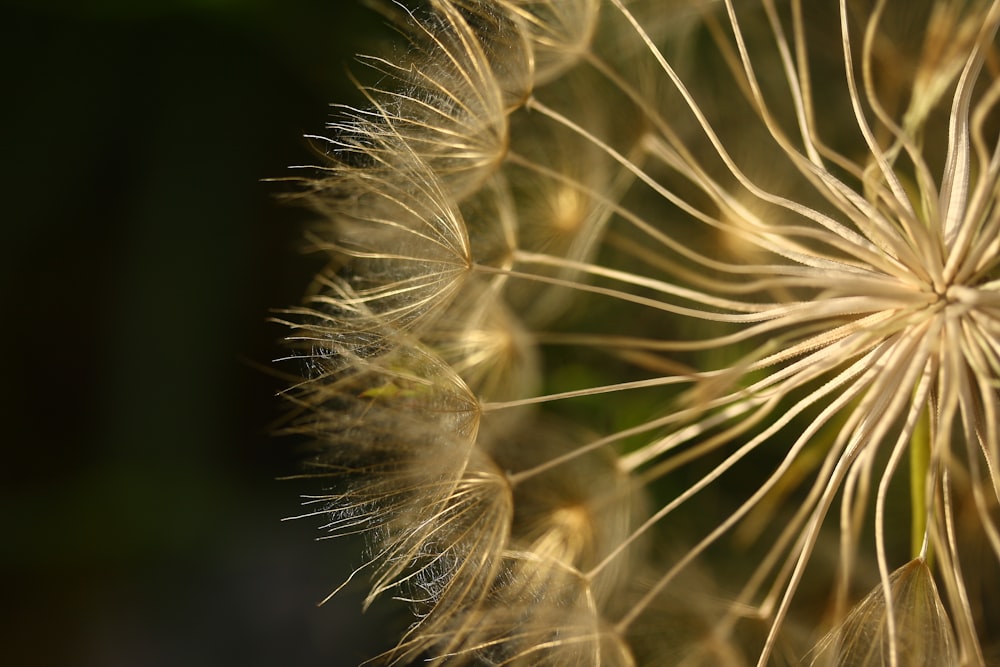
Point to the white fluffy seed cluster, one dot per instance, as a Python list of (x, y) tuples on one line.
[(644, 320)]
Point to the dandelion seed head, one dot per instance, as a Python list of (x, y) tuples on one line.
[(729, 283)]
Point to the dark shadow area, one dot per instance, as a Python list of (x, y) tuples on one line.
[(142, 253)]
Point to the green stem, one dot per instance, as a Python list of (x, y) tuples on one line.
[(920, 449)]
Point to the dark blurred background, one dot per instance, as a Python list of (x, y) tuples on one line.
[(143, 251)]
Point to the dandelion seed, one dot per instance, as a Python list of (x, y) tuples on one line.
[(487, 346), (908, 628), (543, 610), (447, 106), (400, 437), (399, 253), (560, 32)]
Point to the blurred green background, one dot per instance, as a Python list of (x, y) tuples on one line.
[(141, 510)]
